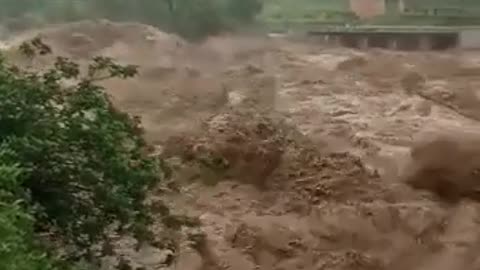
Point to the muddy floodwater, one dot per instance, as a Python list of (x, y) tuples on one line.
[(333, 158)]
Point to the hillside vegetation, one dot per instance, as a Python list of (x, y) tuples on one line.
[(429, 12), (278, 10), (189, 18)]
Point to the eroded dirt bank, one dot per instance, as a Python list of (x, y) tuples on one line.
[(295, 156)]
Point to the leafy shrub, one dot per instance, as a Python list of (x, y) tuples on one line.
[(69, 158), (17, 250)]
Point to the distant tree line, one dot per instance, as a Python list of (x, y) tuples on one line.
[(192, 19)]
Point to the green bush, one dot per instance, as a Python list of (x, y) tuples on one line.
[(17, 250), (71, 164)]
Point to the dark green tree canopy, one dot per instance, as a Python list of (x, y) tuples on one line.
[(190, 18)]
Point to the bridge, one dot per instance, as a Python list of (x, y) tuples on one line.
[(399, 37)]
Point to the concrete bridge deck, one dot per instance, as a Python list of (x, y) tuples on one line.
[(401, 37)]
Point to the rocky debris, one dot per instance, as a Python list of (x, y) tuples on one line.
[(258, 149), (244, 146)]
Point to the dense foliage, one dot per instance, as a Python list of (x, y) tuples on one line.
[(190, 18), (304, 14), (18, 250), (71, 165)]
